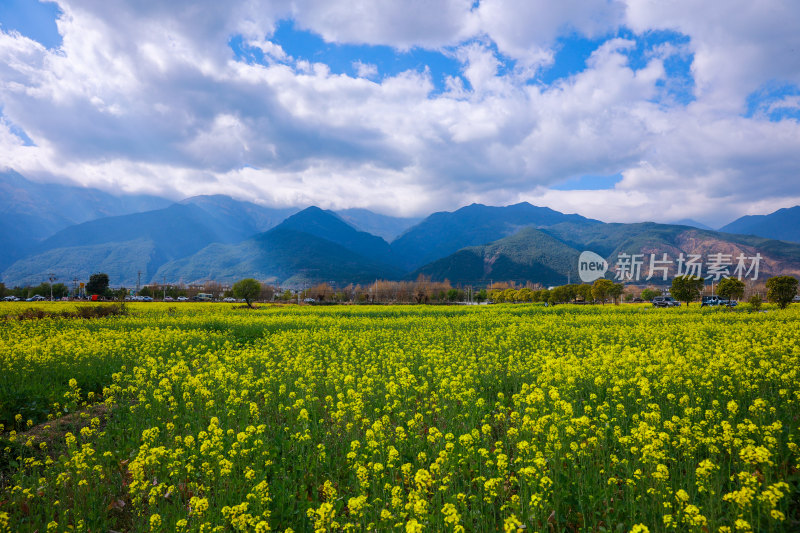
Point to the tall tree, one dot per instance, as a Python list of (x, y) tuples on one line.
[(648, 294), (687, 288), (601, 288), (60, 290), (585, 292), (98, 283), (731, 288), (781, 290), (616, 291), (247, 289)]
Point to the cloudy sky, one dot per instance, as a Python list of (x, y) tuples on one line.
[(620, 110)]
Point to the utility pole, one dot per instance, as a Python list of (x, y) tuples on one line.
[(164, 286), (138, 281), (52, 277)]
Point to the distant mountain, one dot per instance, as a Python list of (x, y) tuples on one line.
[(443, 233), (783, 224), (285, 256), (327, 225), (31, 211), (691, 223), (170, 233), (250, 218), (121, 261), (528, 255), (220, 238), (610, 240), (384, 226), (549, 255)]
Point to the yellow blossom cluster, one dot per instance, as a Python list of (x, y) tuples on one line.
[(201, 417)]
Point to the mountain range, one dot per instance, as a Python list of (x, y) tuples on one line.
[(223, 239), (30, 211), (783, 224)]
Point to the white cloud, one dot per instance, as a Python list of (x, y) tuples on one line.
[(403, 25), (365, 70), (738, 45), (147, 96), (786, 103), (271, 50), (526, 30)]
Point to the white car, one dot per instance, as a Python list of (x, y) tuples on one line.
[(11, 298), (183, 299), (229, 299)]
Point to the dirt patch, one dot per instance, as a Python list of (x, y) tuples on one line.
[(53, 432), (83, 311)]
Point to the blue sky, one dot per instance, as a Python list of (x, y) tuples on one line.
[(33, 19), (617, 109)]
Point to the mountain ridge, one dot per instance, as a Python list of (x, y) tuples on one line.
[(783, 224)]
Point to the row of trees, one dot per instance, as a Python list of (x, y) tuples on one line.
[(600, 291), (780, 289)]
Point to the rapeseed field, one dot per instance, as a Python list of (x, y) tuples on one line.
[(207, 417)]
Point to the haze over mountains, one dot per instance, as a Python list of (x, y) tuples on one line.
[(30, 211), (73, 232)]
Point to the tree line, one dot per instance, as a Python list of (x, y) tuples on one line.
[(779, 289)]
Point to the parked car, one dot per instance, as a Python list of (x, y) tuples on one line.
[(169, 299), (713, 301), (796, 299), (36, 298), (183, 299), (229, 299), (665, 301), (11, 298)]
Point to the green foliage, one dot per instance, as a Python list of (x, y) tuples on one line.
[(60, 290), (781, 290), (499, 415), (731, 288), (616, 291), (687, 288), (542, 295), (455, 295), (247, 289), (755, 302), (584, 291), (563, 294), (98, 283), (601, 289), (120, 294), (648, 294)]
